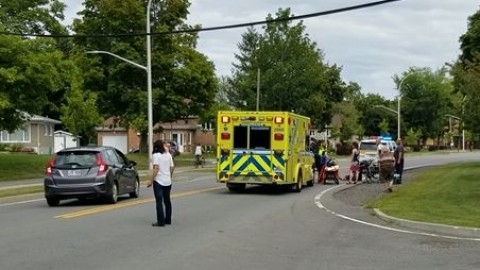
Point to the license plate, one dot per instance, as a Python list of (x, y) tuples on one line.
[(74, 173)]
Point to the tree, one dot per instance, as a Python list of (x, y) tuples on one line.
[(422, 88), (370, 116), (293, 77), (80, 114), (32, 16), (383, 126), (179, 72), (31, 70), (466, 74), (412, 137)]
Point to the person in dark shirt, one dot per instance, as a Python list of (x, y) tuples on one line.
[(399, 161)]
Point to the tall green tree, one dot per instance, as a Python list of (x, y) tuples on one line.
[(466, 73), (293, 75), (179, 72), (32, 71), (80, 113), (426, 97), (32, 16)]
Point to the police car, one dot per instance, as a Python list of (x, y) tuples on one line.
[(368, 147)]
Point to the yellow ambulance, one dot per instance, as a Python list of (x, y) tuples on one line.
[(263, 148)]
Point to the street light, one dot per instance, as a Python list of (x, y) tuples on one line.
[(450, 116), (148, 69), (393, 111)]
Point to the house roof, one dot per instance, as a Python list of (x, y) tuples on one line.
[(38, 118)]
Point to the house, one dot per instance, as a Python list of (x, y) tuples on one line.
[(36, 134), (113, 133), (185, 132)]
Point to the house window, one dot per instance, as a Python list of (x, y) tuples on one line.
[(48, 130), (19, 136)]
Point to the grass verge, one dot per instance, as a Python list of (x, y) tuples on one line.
[(20, 191), (18, 166), (447, 195)]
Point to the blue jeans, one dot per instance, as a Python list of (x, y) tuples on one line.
[(162, 196), (399, 171)]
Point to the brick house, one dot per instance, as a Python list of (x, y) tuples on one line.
[(185, 132)]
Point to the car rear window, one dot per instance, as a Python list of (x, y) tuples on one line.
[(78, 158), (368, 146)]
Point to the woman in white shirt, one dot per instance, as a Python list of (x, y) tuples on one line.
[(162, 182)]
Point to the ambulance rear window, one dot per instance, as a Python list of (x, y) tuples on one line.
[(258, 136), (240, 136)]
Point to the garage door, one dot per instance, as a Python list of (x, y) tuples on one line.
[(118, 141)]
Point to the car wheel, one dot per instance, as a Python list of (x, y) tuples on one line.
[(113, 196), (136, 192), (53, 201)]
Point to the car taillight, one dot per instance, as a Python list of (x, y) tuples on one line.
[(102, 166), (48, 170)]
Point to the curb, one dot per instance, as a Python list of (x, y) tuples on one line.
[(459, 231), (430, 227)]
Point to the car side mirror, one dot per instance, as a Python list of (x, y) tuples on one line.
[(132, 163)]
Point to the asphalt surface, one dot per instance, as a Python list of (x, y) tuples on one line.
[(345, 201)]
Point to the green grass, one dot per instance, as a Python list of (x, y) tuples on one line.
[(18, 166), (448, 194), (20, 191)]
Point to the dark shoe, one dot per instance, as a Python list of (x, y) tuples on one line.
[(168, 222), (389, 189), (156, 224)]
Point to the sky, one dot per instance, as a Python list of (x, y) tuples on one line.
[(370, 45)]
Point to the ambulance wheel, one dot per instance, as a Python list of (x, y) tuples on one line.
[(310, 183), (235, 187), (297, 187)]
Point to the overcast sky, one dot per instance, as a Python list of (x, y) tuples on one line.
[(371, 45)]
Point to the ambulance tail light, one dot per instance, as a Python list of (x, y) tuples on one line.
[(225, 119), (278, 137), (278, 120), (225, 136)]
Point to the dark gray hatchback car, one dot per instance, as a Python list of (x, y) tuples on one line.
[(85, 172)]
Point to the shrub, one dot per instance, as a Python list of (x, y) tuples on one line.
[(3, 147), (16, 147)]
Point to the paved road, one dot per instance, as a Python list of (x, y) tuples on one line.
[(214, 229)]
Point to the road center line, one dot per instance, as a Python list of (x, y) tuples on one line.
[(96, 210)]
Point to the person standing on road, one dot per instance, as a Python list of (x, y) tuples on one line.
[(399, 161), (354, 164), (162, 182)]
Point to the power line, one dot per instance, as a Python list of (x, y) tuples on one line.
[(214, 28)]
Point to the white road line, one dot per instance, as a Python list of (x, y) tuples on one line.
[(197, 179), (22, 202), (318, 202)]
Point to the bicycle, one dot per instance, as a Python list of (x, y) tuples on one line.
[(199, 161)]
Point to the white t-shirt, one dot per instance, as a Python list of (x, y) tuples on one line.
[(198, 150), (164, 162)]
